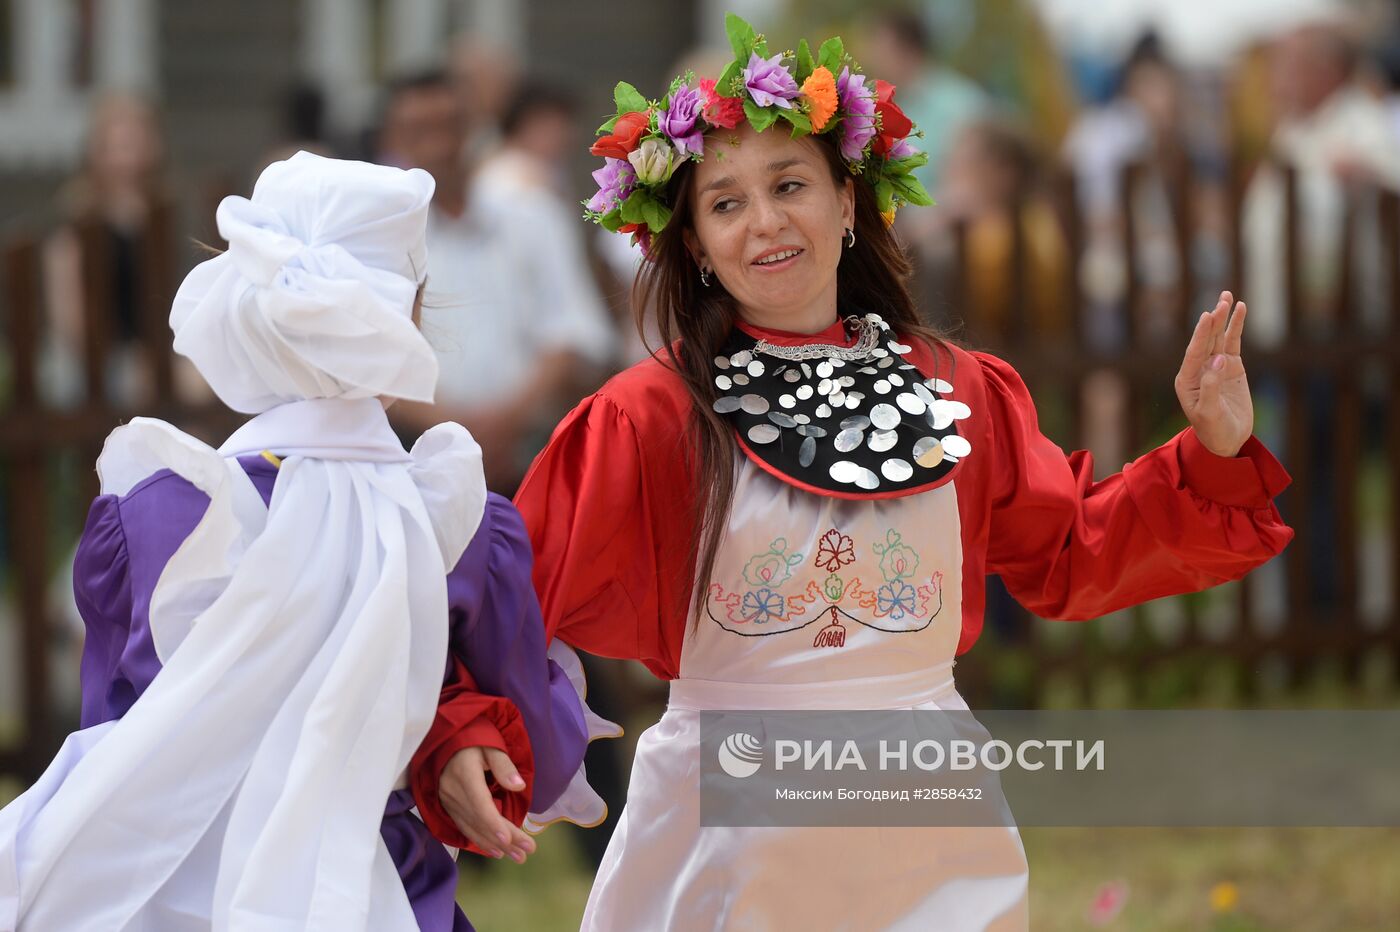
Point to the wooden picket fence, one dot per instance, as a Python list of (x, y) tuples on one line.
[(1277, 626)]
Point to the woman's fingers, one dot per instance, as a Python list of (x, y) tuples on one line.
[(463, 781), (1233, 342), (502, 837), (1220, 315), (500, 764), (1199, 347)]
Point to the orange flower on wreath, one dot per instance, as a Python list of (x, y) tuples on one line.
[(820, 91)]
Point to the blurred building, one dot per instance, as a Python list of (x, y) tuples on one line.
[(222, 73)]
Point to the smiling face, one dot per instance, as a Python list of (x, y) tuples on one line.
[(768, 220)]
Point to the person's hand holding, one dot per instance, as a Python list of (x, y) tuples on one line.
[(466, 797), (1211, 385)]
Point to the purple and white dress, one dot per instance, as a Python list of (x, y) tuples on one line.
[(495, 631)]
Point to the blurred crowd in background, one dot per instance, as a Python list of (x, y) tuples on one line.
[(529, 307)]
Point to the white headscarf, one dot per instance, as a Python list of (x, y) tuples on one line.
[(303, 643)]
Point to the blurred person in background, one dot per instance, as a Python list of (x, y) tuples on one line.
[(485, 76), (1008, 51), (512, 309), (990, 185), (932, 94), (1132, 163), (108, 230), (1334, 132), (1336, 135)]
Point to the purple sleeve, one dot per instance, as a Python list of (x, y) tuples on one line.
[(499, 634), (123, 550), (102, 591)]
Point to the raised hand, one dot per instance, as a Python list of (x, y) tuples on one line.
[(1211, 385)]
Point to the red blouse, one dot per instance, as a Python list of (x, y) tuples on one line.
[(610, 506)]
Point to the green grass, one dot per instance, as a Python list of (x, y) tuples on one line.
[(1317, 879)]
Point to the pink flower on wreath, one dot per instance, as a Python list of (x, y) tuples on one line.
[(834, 551), (857, 114)]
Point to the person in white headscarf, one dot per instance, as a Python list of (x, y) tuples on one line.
[(269, 623)]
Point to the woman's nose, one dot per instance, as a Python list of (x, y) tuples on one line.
[(769, 216)]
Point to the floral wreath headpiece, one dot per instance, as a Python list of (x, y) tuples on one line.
[(645, 142)]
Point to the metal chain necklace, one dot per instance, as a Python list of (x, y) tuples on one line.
[(869, 336)]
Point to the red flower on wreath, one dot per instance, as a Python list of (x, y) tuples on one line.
[(894, 125), (627, 133), (720, 111), (834, 551)]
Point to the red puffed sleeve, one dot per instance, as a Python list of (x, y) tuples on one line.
[(609, 507), (468, 718), (1179, 519)]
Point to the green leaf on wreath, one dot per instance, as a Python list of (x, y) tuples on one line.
[(628, 98)]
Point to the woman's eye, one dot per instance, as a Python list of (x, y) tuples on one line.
[(787, 187), (723, 206)]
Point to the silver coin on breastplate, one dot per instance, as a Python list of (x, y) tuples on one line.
[(928, 452), (754, 404), (956, 446), (763, 433), (882, 440), (896, 469), (848, 440), (727, 405), (910, 402), (884, 416)]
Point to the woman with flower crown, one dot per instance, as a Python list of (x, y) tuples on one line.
[(795, 503), (271, 624)]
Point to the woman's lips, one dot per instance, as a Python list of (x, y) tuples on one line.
[(778, 264)]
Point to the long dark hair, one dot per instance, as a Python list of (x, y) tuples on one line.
[(694, 321)]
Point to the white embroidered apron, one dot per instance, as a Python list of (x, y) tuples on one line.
[(815, 603)]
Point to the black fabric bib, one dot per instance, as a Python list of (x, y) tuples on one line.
[(872, 425)]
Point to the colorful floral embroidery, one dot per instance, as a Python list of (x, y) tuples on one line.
[(758, 606), (896, 600), (897, 559), (898, 605), (761, 605), (834, 551), (927, 594), (773, 567)]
